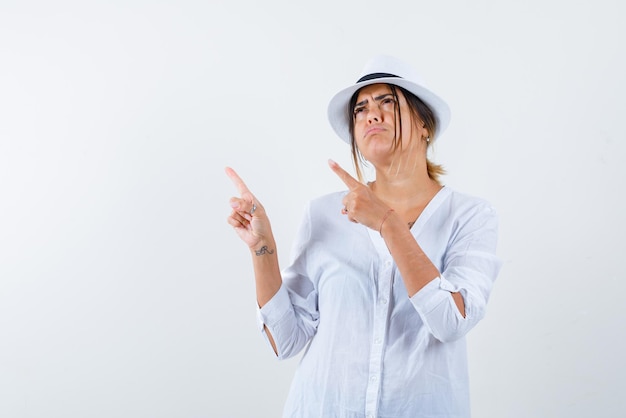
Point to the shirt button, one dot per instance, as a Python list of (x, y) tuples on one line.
[(383, 301), (373, 378), (377, 341), (388, 263)]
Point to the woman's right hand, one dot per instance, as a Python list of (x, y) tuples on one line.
[(248, 216)]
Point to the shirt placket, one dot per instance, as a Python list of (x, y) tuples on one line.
[(381, 314)]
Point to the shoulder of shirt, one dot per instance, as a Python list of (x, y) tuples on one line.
[(467, 201)]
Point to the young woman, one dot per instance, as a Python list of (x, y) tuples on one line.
[(386, 277)]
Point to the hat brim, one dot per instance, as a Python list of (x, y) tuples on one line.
[(338, 112)]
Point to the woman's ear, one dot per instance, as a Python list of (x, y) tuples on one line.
[(424, 132)]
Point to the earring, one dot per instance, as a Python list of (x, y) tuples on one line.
[(427, 139)]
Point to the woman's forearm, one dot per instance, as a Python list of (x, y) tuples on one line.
[(267, 277), (414, 265), (266, 270)]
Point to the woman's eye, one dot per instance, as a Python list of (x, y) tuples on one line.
[(358, 110)]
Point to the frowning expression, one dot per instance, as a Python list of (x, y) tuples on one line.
[(379, 117)]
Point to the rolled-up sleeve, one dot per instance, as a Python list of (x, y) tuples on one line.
[(470, 267), (290, 319), (291, 316)]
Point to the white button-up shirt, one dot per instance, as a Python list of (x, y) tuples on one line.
[(373, 351)]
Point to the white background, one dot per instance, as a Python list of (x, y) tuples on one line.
[(124, 293)]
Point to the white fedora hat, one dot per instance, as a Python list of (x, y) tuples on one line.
[(389, 70)]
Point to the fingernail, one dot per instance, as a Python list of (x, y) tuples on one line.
[(234, 205)]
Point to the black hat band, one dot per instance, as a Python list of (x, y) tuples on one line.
[(376, 75)]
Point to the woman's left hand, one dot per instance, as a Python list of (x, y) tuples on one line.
[(360, 204)]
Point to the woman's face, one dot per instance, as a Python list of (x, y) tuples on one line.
[(375, 118)]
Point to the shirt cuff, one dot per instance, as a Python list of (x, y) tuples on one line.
[(275, 309), (431, 295)]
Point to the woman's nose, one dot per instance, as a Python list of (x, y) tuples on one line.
[(373, 115)]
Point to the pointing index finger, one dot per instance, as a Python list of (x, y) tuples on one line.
[(349, 181), (241, 186)]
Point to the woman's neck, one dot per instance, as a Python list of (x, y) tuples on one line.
[(404, 190), (407, 196)]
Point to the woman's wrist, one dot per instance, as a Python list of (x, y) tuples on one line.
[(264, 247), (382, 222)]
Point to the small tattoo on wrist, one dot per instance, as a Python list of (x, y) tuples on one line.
[(264, 250)]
